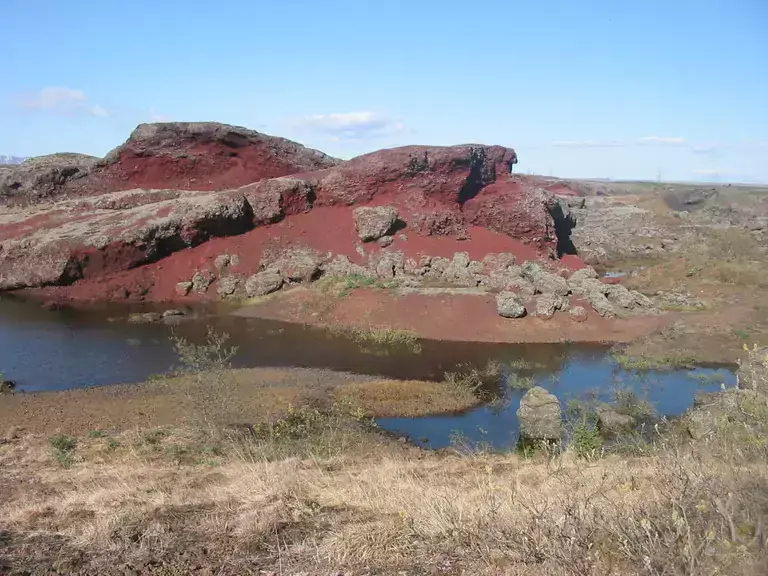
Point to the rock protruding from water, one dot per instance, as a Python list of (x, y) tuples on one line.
[(540, 416), (145, 317), (7, 386), (373, 222), (509, 305)]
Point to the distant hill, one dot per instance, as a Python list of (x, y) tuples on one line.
[(11, 159)]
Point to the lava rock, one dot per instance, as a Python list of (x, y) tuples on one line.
[(183, 288), (263, 283), (508, 305), (227, 286), (202, 280), (373, 222), (540, 416)]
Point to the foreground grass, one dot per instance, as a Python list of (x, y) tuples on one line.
[(318, 491)]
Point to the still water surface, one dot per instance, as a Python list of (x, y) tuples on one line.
[(55, 350)]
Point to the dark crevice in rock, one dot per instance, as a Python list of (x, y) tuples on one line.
[(564, 225), (480, 174)]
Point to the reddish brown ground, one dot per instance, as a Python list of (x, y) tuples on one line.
[(324, 229), (459, 317)]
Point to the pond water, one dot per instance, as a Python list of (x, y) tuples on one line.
[(55, 350), (591, 376)]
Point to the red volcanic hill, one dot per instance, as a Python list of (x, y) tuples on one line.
[(86, 223), (178, 155)]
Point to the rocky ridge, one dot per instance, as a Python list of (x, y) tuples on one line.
[(87, 218)]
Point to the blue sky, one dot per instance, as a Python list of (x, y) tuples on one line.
[(595, 88)]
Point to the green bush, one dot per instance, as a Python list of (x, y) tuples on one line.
[(585, 438), (63, 448)]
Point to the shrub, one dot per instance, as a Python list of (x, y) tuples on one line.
[(382, 341), (63, 447), (483, 382), (585, 440), (203, 373)]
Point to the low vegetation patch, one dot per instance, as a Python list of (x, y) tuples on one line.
[(63, 449), (381, 341), (484, 383), (646, 363), (406, 398)]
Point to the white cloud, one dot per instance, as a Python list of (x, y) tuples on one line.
[(64, 101), (155, 116), (586, 143), (660, 140), (98, 111), (351, 125)]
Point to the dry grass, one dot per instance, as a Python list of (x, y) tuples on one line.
[(698, 510)]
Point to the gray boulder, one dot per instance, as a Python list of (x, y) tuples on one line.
[(582, 274), (202, 280), (297, 265), (341, 266), (520, 285), (389, 264), (183, 288), (225, 260), (437, 267), (419, 267), (458, 272), (373, 222), (268, 198), (577, 314), (227, 286), (612, 423), (508, 305), (540, 416), (263, 283), (548, 304), (548, 283)]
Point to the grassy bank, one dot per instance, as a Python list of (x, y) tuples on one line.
[(320, 491)]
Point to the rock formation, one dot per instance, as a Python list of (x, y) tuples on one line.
[(540, 416), (174, 186)]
